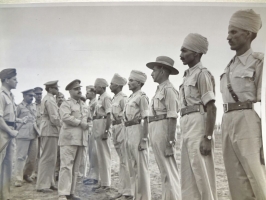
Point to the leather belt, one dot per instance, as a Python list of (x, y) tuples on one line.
[(99, 117), (190, 109), (132, 122), (237, 106), (157, 118), (116, 122), (13, 124)]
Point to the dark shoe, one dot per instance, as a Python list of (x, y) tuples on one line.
[(73, 197), (27, 178), (45, 190), (96, 187), (128, 197), (18, 183), (62, 197), (53, 188), (90, 182), (116, 196)]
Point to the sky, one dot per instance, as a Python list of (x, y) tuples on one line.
[(64, 43)]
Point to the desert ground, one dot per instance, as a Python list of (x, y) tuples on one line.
[(28, 192)]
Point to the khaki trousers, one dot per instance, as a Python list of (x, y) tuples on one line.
[(47, 162), (118, 133), (158, 132), (6, 159), (138, 164), (26, 151), (70, 157), (242, 139), (198, 180)]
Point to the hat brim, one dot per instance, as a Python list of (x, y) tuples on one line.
[(173, 70)]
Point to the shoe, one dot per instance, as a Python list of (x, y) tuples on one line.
[(96, 187), (73, 197), (45, 190), (27, 178), (128, 197), (90, 182), (116, 197), (62, 197), (33, 176), (54, 188), (18, 183), (103, 189)]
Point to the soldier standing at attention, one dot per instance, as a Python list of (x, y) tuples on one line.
[(198, 114), (26, 139), (164, 110), (93, 175), (7, 129), (49, 129), (118, 134), (135, 115), (101, 125), (241, 126), (72, 140)]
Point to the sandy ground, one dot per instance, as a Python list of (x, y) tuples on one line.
[(28, 192)]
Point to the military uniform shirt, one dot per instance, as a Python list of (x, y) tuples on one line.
[(165, 100), (38, 114), (7, 105), (197, 86), (245, 74), (103, 105), (118, 104)]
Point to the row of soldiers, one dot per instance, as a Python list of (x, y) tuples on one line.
[(135, 123)]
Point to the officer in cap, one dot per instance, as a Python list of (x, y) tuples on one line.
[(72, 140), (26, 145), (241, 85), (164, 110), (49, 129), (7, 129), (118, 134), (135, 116)]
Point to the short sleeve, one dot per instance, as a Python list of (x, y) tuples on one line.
[(171, 102), (206, 88), (144, 106)]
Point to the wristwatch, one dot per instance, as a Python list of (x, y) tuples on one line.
[(209, 137)]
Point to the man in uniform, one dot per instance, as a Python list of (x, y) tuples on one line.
[(135, 115), (72, 140), (93, 175), (7, 129), (49, 129), (38, 100), (26, 139), (59, 99), (101, 125), (241, 126), (118, 134), (198, 114), (162, 126)]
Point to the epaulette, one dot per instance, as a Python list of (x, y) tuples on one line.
[(258, 55)]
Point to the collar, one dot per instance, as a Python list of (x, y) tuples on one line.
[(244, 57), (118, 94), (24, 103), (9, 93), (136, 93), (74, 100), (102, 95), (161, 85), (191, 70)]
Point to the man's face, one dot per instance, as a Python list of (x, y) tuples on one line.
[(54, 90), (12, 82), (98, 89), (90, 94), (113, 87), (38, 96), (156, 71), (132, 84), (75, 93), (237, 38), (28, 98), (187, 56), (60, 98)]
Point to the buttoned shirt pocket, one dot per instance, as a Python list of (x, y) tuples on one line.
[(243, 81), (190, 87), (116, 110), (159, 102), (131, 110)]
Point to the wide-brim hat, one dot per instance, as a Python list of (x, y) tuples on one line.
[(166, 62)]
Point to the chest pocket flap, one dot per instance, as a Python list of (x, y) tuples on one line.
[(191, 82), (247, 73)]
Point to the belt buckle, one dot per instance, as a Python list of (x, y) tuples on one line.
[(225, 107)]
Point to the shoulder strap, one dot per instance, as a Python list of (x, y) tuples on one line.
[(229, 86)]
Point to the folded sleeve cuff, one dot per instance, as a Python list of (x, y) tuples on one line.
[(207, 97), (144, 113), (108, 110)]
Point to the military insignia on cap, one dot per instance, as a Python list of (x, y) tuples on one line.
[(73, 84), (52, 83)]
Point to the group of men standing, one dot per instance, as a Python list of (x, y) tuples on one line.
[(136, 123)]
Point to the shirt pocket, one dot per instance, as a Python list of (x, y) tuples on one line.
[(243, 80), (190, 88), (9, 106), (131, 110), (159, 102), (116, 110)]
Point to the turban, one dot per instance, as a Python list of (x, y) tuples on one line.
[(138, 76), (101, 82), (196, 42), (73, 84), (89, 87), (7, 73), (247, 20), (118, 80)]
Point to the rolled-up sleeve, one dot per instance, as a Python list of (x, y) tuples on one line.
[(107, 104), (1, 106), (65, 113), (206, 88), (144, 106), (258, 79), (171, 103)]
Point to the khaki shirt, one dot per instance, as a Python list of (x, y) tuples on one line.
[(7, 111), (27, 131), (118, 104), (50, 122), (103, 105), (38, 117), (197, 87), (73, 112), (92, 105), (137, 106), (245, 73), (165, 101)]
